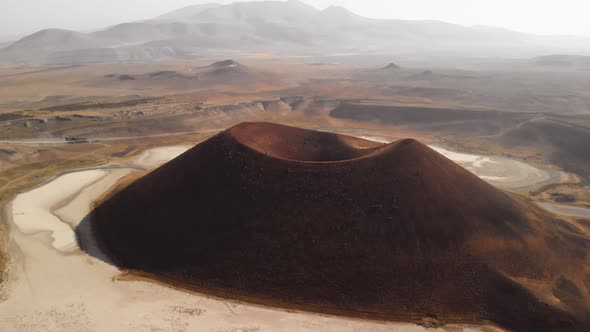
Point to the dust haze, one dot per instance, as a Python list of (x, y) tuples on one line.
[(295, 166)]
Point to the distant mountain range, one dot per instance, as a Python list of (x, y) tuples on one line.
[(280, 27)]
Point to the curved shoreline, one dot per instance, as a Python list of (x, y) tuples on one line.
[(502, 172), (33, 210)]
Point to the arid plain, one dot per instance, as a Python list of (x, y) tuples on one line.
[(70, 136)]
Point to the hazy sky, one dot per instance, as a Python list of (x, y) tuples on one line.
[(18, 17)]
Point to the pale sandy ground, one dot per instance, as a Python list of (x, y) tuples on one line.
[(566, 210), (32, 210), (158, 156), (82, 203), (501, 172), (48, 290)]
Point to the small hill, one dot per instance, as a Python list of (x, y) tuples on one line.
[(224, 67), (230, 72), (52, 39), (222, 72), (392, 66), (157, 76), (165, 74), (224, 64), (218, 74), (426, 74), (331, 223)]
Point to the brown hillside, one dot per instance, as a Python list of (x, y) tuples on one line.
[(337, 224)]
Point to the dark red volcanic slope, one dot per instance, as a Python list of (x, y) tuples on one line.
[(337, 224)]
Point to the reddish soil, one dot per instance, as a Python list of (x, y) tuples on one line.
[(341, 225)]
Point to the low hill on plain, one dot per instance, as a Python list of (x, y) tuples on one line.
[(221, 73)]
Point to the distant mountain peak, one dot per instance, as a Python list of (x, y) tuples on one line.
[(338, 10), (187, 13), (338, 14)]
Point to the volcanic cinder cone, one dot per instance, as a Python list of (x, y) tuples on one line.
[(331, 223)]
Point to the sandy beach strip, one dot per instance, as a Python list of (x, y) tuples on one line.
[(32, 210)]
